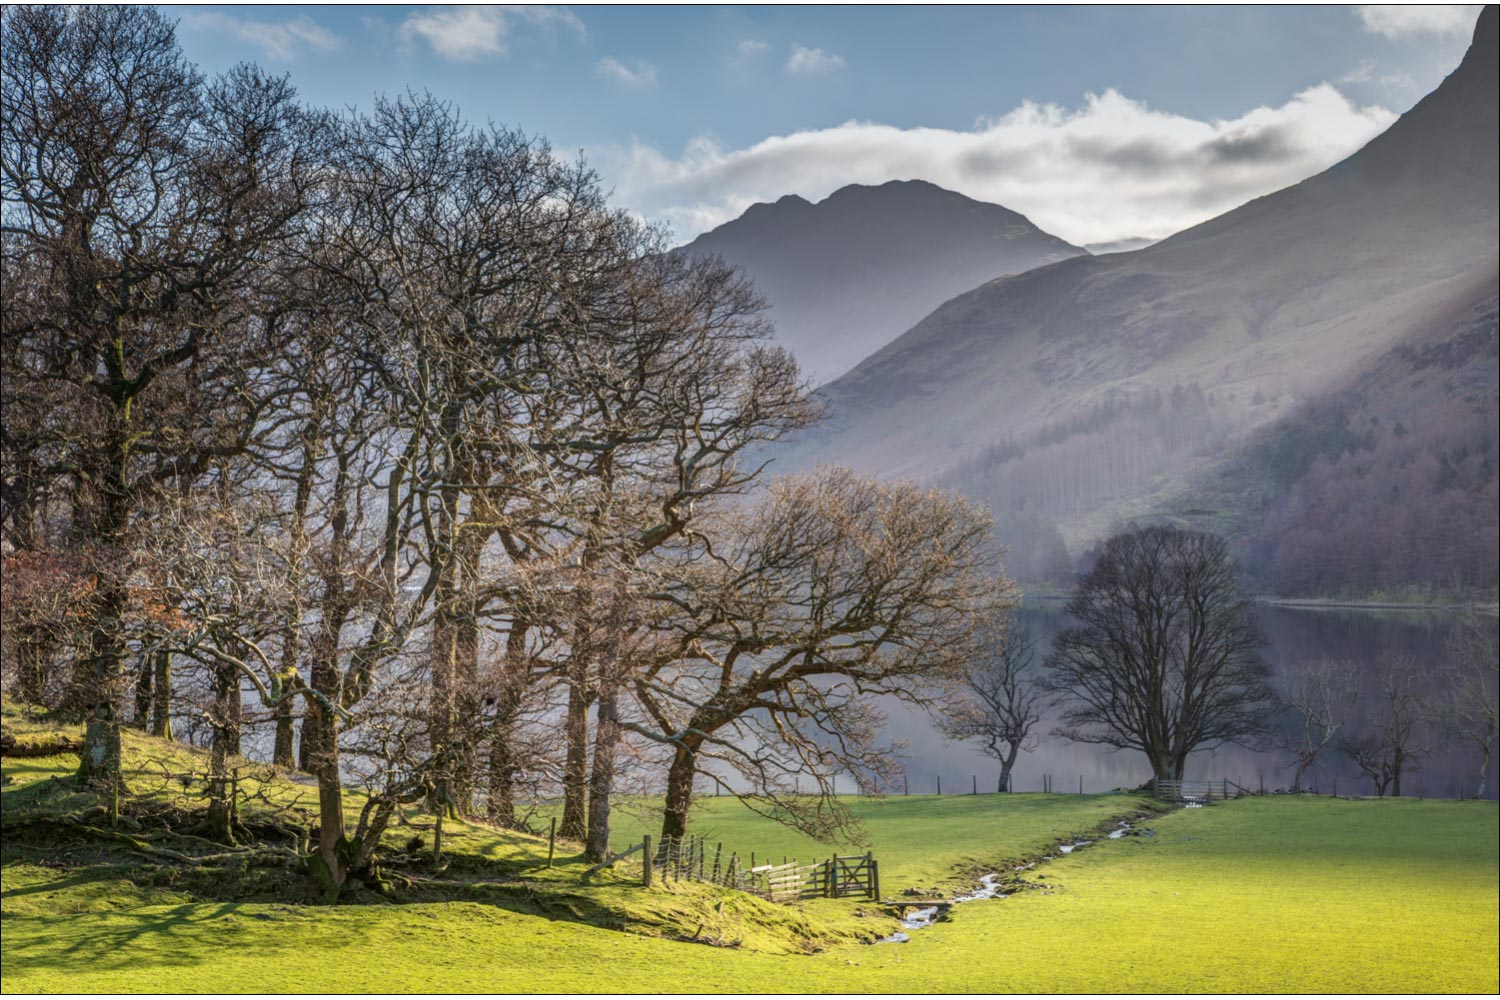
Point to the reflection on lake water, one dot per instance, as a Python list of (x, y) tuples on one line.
[(1292, 634)]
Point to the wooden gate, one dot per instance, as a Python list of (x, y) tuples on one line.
[(689, 858), (856, 875), (1172, 790)]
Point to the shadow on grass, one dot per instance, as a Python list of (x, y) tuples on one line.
[(182, 935)]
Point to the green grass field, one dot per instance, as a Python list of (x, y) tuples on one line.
[(1268, 894)]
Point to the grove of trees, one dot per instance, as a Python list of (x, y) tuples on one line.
[(394, 424)]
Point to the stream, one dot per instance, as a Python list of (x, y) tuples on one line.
[(989, 888)]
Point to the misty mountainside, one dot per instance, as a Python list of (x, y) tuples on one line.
[(846, 275), (1198, 378)]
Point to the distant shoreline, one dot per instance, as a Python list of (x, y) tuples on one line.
[(1327, 603), (1489, 607)]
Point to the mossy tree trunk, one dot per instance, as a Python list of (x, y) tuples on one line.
[(161, 696), (224, 721)]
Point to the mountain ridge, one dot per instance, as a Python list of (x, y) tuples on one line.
[(1252, 315), (845, 274)]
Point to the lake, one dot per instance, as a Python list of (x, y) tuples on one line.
[(1292, 634)]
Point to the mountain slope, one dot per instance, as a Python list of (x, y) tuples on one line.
[(1053, 390), (846, 275)]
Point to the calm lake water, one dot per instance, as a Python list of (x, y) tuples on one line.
[(1292, 634)]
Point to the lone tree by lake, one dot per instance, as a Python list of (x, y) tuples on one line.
[(1166, 656), (1000, 701)]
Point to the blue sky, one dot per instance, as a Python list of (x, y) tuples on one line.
[(1099, 123)]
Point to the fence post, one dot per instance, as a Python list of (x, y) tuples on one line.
[(646, 858), (940, 784), (702, 851), (1080, 784), (552, 842), (833, 876), (974, 781), (874, 879), (718, 850)]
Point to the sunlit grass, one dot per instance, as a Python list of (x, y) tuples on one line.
[(1259, 895)]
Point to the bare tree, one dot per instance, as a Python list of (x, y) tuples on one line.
[(140, 208), (1473, 704), (834, 589), (1000, 701), (1166, 656), (1401, 733), (1322, 693)]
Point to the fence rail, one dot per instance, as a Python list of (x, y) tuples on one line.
[(691, 858)]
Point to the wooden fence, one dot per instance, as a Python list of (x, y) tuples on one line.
[(1173, 790), (691, 858)]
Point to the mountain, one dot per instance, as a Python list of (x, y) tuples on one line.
[(1108, 388), (846, 275)]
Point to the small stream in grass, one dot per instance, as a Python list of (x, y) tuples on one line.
[(990, 887)]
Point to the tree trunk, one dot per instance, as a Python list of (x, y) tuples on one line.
[(509, 691), (145, 675), (224, 721), (1006, 764), (680, 790), (330, 865), (500, 802), (99, 765), (466, 706), (308, 739), (283, 748), (601, 780), (1162, 764), (575, 767), (161, 697)]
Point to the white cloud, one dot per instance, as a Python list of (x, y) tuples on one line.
[(1404, 20), (279, 40), (1109, 170), (751, 47), (640, 74), (469, 32), (1368, 72), (811, 62)]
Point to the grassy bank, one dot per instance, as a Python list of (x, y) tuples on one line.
[(1271, 894)]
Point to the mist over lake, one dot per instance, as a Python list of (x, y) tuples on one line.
[(1293, 634)]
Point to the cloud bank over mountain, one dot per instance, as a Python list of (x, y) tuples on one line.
[(1110, 169)]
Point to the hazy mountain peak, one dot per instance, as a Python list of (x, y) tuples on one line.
[(847, 274)]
